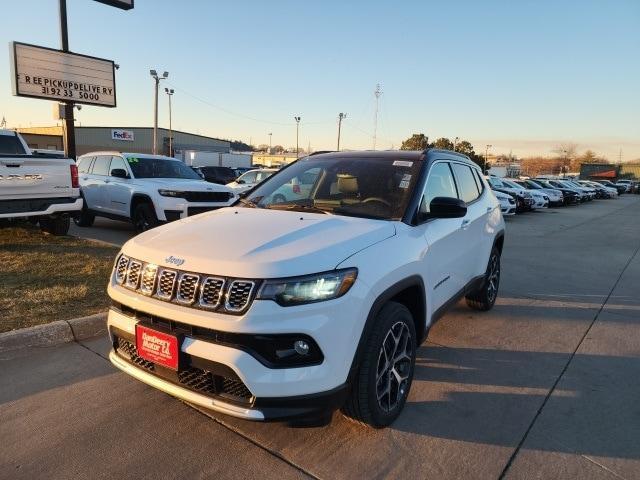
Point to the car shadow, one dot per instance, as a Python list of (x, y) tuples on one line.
[(481, 396)]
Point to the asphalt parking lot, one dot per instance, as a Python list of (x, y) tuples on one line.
[(543, 386)]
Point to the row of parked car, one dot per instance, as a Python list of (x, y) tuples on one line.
[(517, 195)]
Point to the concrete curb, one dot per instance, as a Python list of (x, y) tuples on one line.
[(55, 333)]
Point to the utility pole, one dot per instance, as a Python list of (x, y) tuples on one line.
[(620, 156), (341, 116), (67, 123), (270, 134), (297, 119), (455, 143), (377, 94), (169, 92), (157, 79), (486, 157)]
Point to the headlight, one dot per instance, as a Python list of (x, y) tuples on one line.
[(171, 193), (287, 292)]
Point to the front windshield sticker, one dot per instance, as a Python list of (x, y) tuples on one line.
[(132, 160), (402, 163)]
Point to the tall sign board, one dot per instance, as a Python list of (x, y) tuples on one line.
[(49, 74), (123, 4)]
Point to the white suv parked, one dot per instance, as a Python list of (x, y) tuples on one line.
[(144, 189), (289, 310)]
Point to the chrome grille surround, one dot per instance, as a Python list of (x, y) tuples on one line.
[(133, 274), (121, 269), (195, 290), (238, 295), (211, 292), (187, 290), (148, 280), (166, 283)]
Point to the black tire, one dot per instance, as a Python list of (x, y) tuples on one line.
[(144, 217), (57, 226), (84, 218), (485, 297), (365, 404)]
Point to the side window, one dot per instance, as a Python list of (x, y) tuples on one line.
[(117, 162), (439, 184), (101, 165), (467, 187), (249, 177), (479, 182), (84, 164)]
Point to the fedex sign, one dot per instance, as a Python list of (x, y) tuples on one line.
[(124, 135)]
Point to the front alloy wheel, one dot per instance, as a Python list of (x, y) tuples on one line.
[(394, 367), (381, 384)]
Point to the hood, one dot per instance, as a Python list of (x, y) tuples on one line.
[(186, 184), (258, 243)]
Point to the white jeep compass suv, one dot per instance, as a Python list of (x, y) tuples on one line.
[(144, 189), (289, 310)]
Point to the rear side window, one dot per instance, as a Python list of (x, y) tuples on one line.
[(85, 164), (467, 187), (117, 163), (101, 165), (10, 145), (439, 184), (479, 182)]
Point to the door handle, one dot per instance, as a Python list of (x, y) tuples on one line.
[(107, 181), (489, 209), (465, 224)]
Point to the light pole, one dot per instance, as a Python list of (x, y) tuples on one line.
[(297, 119), (341, 116), (486, 157), (157, 79), (270, 143), (170, 92), (455, 142)]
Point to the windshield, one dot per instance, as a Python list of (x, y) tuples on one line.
[(496, 183), (533, 185), (511, 184), (160, 168), (360, 187)]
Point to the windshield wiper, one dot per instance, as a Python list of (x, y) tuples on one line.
[(297, 207)]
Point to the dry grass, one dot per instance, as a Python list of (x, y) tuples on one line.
[(45, 278)]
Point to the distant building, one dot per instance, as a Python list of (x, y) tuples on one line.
[(268, 160), (610, 171), (129, 139)]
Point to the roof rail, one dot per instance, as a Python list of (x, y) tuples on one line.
[(321, 151)]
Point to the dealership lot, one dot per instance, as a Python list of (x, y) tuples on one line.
[(543, 386)]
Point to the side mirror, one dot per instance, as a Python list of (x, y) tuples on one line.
[(447, 207), (119, 173)]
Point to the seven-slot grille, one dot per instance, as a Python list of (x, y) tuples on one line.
[(185, 288)]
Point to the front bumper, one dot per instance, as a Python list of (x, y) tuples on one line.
[(207, 378), (169, 209)]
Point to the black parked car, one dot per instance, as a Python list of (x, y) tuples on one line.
[(221, 175), (620, 188), (571, 197)]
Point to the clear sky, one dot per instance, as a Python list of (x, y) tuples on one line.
[(520, 75)]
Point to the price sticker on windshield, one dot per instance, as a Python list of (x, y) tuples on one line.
[(402, 163)]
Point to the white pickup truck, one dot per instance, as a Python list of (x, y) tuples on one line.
[(43, 189)]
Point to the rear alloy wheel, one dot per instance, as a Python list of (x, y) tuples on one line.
[(144, 218), (381, 386), (84, 218), (485, 297)]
